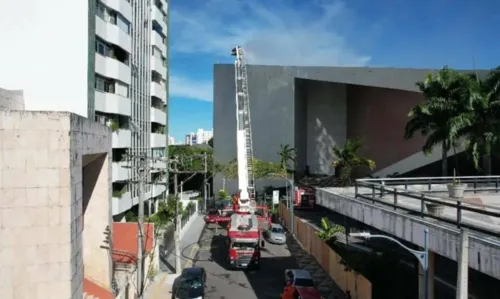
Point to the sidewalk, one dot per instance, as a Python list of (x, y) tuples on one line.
[(162, 285)]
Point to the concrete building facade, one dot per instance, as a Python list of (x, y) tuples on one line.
[(113, 70), (11, 99), (314, 108), (55, 204)]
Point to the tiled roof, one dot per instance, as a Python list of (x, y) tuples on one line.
[(125, 241), (91, 288)]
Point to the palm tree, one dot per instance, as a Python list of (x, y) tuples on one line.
[(287, 155), (347, 160), (329, 230), (483, 124), (444, 113)]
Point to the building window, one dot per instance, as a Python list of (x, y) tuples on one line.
[(101, 10), (101, 48), (104, 85)]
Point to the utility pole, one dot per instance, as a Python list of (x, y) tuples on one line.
[(205, 182), (177, 224), (174, 169), (140, 242), (143, 171)]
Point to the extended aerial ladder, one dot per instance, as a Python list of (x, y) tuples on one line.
[(245, 201)]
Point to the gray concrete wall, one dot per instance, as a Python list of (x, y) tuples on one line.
[(483, 253), (325, 123), (271, 108), (11, 99), (284, 112)]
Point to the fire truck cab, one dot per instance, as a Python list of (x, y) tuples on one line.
[(244, 242), (305, 198)]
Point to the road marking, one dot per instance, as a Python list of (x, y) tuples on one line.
[(192, 253)]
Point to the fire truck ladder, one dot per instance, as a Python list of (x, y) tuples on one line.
[(244, 106)]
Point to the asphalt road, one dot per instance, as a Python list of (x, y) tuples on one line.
[(227, 284)]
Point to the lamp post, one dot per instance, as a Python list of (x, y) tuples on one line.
[(422, 256)]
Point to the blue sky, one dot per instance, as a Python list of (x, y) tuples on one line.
[(392, 33)]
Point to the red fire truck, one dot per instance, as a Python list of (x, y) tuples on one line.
[(244, 242), (305, 198)]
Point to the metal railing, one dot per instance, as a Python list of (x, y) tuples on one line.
[(427, 194)]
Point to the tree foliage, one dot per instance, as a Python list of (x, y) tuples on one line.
[(287, 156), (457, 107), (329, 230), (211, 142), (347, 160), (262, 169), (166, 212)]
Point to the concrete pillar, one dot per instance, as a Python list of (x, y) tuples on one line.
[(463, 266), (430, 279)]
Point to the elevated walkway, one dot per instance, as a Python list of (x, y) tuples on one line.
[(400, 207)]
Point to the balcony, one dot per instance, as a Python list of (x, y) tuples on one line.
[(164, 8), (112, 68), (121, 6), (157, 16), (157, 190), (158, 140), (122, 203), (158, 166), (158, 91), (120, 173), (126, 202), (112, 103), (157, 41), (113, 34), (158, 116), (122, 138), (157, 66)]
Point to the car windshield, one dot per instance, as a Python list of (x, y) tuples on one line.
[(304, 282), (190, 283), (212, 212), (245, 245), (277, 230)]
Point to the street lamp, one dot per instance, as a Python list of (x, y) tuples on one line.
[(422, 256)]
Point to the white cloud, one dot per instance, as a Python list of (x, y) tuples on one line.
[(310, 34), (184, 87)]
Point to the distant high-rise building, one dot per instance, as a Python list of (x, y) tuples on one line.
[(200, 137)]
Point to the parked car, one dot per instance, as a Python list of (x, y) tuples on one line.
[(275, 234), (303, 283), (190, 284), (211, 216)]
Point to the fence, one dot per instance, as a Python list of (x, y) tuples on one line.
[(348, 280)]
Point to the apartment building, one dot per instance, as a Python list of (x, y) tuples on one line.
[(131, 91), (200, 137), (113, 69)]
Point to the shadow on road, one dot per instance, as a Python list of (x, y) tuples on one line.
[(268, 282)]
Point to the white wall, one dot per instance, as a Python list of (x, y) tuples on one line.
[(45, 53), (326, 124)]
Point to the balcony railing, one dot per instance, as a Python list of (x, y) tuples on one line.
[(417, 195)]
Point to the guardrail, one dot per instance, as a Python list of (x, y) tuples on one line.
[(427, 196)]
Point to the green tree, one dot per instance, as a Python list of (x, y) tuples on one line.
[(482, 126), (442, 117), (211, 142), (166, 212), (347, 160), (329, 231), (287, 155), (262, 169)]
